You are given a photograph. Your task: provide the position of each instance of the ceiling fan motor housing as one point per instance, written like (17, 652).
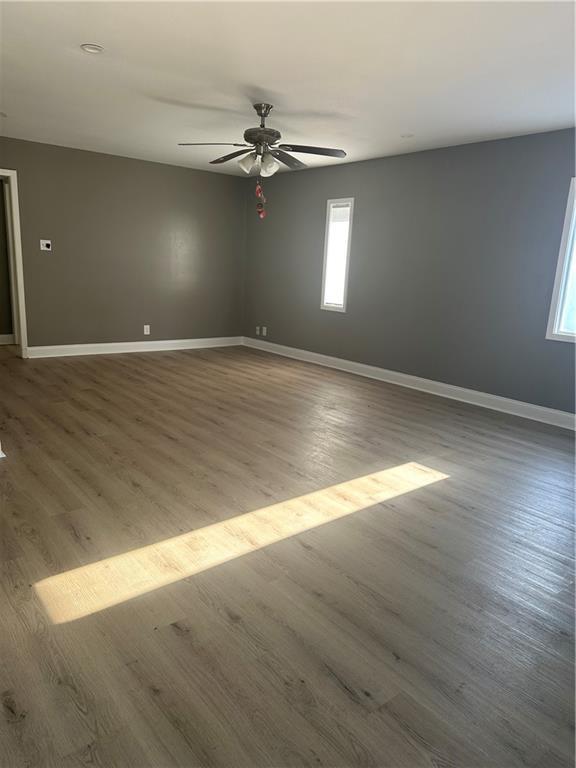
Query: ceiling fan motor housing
(262, 135)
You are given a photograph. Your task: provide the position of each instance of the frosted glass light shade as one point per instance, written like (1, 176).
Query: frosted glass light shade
(269, 165)
(250, 163)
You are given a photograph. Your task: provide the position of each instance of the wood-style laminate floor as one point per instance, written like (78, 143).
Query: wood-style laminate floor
(416, 613)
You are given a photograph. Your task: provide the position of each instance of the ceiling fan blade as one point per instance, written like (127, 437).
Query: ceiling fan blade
(292, 162)
(209, 144)
(313, 150)
(231, 156)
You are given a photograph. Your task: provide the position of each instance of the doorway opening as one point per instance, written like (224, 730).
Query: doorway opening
(12, 304)
(6, 320)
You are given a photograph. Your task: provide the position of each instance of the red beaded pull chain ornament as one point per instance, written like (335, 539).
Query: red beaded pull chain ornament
(261, 200)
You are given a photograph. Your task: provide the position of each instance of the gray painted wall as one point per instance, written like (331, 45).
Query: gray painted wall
(5, 304)
(452, 265)
(133, 242)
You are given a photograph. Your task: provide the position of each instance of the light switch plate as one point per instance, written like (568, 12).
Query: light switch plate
(45, 245)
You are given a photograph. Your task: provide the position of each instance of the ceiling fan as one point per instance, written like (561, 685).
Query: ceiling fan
(264, 154)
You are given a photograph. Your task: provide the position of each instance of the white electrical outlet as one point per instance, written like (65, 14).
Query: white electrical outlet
(264, 330)
(45, 245)
(146, 330)
(257, 330)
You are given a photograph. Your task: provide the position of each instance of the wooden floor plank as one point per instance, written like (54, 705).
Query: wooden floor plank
(432, 625)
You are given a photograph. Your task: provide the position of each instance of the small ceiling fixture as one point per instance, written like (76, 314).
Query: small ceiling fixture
(91, 48)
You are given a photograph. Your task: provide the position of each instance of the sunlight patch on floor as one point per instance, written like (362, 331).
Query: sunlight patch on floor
(94, 587)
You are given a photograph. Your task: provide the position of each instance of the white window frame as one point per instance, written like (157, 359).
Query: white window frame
(329, 204)
(568, 233)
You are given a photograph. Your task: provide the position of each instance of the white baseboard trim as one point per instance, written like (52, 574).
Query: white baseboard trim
(6, 338)
(68, 350)
(483, 399)
(557, 418)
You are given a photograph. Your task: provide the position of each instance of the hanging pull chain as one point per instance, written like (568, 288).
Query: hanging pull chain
(261, 200)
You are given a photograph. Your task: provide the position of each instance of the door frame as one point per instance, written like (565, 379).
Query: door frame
(15, 261)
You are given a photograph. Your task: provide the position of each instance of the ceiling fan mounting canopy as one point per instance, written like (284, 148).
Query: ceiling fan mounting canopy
(263, 110)
(263, 142)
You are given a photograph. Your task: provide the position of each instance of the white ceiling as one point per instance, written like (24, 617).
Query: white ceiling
(349, 75)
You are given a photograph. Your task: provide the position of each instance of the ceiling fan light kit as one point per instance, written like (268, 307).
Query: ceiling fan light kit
(269, 164)
(250, 164)
(262, 153)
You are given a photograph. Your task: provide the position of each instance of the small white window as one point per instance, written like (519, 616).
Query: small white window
(562, 320)
(337, 253)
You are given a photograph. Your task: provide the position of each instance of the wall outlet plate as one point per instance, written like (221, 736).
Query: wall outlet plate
(146, 330)
(257, 330)
(45, 245)
(264, 330)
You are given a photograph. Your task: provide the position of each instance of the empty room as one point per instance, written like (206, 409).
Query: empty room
(287, 384)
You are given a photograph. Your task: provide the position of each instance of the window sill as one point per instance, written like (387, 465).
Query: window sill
(569, 337)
